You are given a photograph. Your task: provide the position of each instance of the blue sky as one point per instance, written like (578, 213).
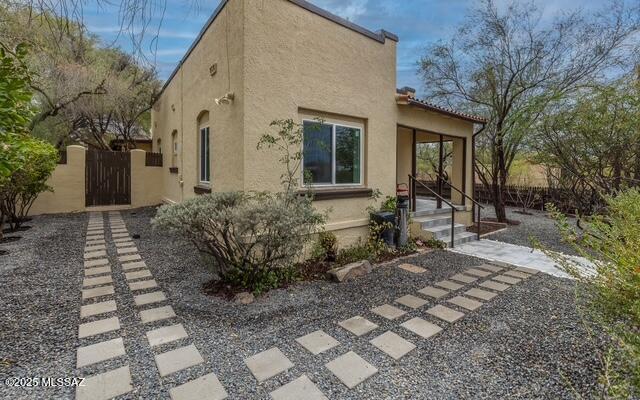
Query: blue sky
(416, 22)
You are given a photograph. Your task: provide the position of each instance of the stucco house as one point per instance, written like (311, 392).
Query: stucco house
(256, 61)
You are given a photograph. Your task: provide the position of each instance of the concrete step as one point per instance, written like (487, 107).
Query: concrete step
(443, 232)
(433, 220)
(460, 238)
(429, 212)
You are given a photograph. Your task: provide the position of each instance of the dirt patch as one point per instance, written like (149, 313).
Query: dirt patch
(20, 229)
(487, 227)
(509, 221)
(10, 239)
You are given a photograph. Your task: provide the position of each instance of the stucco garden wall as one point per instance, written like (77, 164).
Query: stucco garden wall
(68, 183)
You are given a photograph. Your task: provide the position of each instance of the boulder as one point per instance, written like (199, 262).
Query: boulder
(350, 271)
(244, 298)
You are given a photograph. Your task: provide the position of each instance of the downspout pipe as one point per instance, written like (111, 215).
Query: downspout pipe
(473, 166)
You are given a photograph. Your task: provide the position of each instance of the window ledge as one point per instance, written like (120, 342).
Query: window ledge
(173, 170)
(201, 189)
(339, 193)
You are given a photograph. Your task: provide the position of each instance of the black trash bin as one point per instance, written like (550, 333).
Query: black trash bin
(381, 217)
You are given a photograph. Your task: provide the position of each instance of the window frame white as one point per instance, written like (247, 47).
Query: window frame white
(208, 155)
(333, 155)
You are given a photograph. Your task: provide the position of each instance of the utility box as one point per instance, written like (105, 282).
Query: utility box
(381, 217)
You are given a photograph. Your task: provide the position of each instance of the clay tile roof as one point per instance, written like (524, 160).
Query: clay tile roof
(407, 99)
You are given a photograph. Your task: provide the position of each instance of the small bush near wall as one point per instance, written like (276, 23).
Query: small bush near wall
(611, 292)
(254, 238)
(20, 190)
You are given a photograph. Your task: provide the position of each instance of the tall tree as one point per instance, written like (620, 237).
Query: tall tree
(591, 142)
(85, 92)
(509, 65)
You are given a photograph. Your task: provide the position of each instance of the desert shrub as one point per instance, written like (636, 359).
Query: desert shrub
(370, 250)
(326, 248)
(390, 203)
(24, 185)
(434, 243)
(611, 290)
(254, 238)
(357, 252)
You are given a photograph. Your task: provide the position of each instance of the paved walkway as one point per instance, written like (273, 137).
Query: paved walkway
(98, 298)
(99, 315)
(522, 256)
(447, 301)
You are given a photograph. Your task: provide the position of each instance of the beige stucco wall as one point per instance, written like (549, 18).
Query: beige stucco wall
(299, 64)
(193, 91)
(146, 182)
(287, 62)
(67, 181)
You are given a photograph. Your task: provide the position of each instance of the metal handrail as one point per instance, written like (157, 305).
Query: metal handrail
(453, 208)
(461, 192)
(480, 206)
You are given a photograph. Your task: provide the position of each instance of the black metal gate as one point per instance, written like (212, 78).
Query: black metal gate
(107, 178)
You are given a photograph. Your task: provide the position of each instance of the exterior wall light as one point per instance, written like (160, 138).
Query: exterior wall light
(226, 99)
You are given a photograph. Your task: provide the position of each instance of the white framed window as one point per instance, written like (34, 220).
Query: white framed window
(205, 164)
(332, 154)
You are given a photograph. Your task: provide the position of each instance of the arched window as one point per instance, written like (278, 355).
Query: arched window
(204, 160)
(159, 144)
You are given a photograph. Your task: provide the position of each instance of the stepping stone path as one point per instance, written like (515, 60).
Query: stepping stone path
(463, 278)
(205, 387)
(109, 250)
(351, 369)
(268, 364)
(445, 313)
(421, 327)
(433, 292)
(301, 388)
(317, 342)
(393, 344)
(388, 311)
(411, 301)
(358, 325)
(449, 285)
(178, 359)
(99, 316)
(465, 302)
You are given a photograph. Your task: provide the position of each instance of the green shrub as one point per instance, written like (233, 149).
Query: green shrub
(390, 203)
(24, 185)
(326, 248)
(611, 242)
(253, 237)
(371, 250)
(357, 252)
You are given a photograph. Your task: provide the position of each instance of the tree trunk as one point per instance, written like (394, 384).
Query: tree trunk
(500, 176)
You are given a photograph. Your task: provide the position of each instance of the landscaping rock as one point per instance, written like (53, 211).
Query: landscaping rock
(351, 271)
(244, 298)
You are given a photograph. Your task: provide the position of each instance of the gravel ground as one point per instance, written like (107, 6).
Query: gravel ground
(537, 225)
(528, 342)
(40, 282)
